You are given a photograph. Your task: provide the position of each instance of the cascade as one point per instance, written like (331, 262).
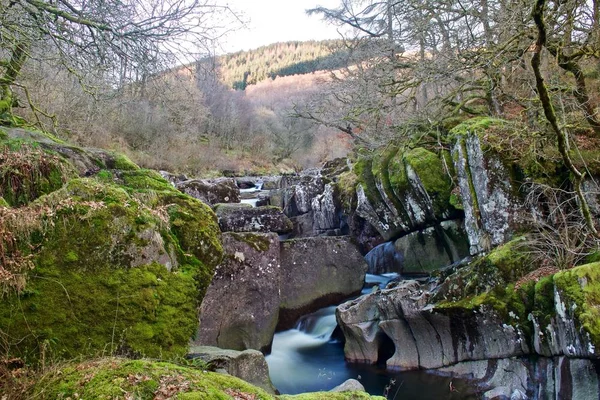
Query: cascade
(310, 358)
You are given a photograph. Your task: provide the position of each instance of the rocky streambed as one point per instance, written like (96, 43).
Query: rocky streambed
(150, 261)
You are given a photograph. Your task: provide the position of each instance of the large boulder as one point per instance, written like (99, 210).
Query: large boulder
(316, 272)
(248, 365)
(222, 190)
(423, 338)
(103, 266)
(477, 314)
(432, 248)
(241, 306)
(245, 218)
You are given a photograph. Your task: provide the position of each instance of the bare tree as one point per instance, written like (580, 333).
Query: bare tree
(119, 41)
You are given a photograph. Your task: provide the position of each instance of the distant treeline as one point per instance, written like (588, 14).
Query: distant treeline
(238, 70)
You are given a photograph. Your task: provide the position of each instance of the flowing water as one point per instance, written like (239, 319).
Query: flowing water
(309, 358)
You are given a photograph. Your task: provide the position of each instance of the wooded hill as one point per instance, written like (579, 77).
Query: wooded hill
(237, 70)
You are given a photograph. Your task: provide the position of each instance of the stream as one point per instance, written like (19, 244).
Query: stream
(310, 358)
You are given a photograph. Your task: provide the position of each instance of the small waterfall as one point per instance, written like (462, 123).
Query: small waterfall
(305, 358)
(249, 196)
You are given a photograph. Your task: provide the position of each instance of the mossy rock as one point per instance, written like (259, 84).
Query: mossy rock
(435, 179)
(119, 378)
(477, 126)
(502, 266)
(116, 378)
(346, 185)
(122, 162)
(143, 179)
(97, 286)
(580, 287)
(27, 172)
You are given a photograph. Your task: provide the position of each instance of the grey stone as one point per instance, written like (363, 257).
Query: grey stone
(351, 385)
(252, 219)
(241, 305)
(317, 272)
(222, 190)
(248, 365)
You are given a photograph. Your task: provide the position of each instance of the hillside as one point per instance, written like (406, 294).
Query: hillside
(238, 70)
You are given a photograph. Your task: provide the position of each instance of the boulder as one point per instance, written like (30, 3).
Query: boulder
(432, 248)
(492, 212)
(108, 270)
(326, 210)
(86, 161)
(351, 385)
(401, 191)
(222, 190)
(241, 305)
(248, 365)
(316, 272)
(384, 259)
(243, 218)
(423, 338)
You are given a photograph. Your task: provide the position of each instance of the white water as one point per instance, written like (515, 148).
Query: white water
(252, 201)
(301, 358)
(306, 358)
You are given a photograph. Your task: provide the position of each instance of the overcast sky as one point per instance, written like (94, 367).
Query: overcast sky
(278, 21)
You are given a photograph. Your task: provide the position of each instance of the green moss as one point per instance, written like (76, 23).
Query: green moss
(581, 286)
(3, 203)
(144, 179)
(122, 162)
(28, 172)
(475, 126)
(346, 186)
(85, 296)
(3, 134)
(256, 241)
(429, 168)
(114, 378)
(364, 171)
(502, 266)
(105, 176)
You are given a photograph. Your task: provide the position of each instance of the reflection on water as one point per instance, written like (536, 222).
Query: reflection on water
(308, 359)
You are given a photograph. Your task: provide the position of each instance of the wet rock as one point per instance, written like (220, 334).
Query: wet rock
(423, 338)
(384, 259)
(244, 218)
(241, 305)
(316, 272)
(522, 378)
(351, 385)
(248, 365)
(326, 210)
(222, 190)
(432, 248)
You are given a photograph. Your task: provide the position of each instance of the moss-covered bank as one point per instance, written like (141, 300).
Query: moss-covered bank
(117, 262)
(117, 378)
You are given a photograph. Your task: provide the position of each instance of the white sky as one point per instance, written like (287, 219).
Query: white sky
(272, 21)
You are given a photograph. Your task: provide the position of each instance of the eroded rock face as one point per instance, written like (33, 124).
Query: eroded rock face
(422, 338)
(241, 305)
(316, 272)
(248, 365)
(244, 218)
(557, 378)
(491, 210)
(222, 190)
